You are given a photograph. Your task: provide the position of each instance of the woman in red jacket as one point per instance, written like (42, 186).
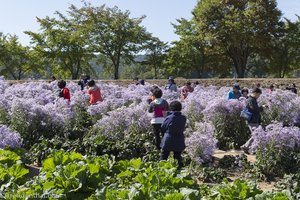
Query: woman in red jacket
(94, 92)
(64, 92)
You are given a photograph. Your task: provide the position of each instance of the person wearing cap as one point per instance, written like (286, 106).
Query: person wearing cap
(171, 85)
(234, 93)
(255, 120)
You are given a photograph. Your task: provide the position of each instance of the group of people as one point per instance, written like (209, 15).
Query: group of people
(236, 92)
(252, 110)
(93, 90)
(168, 123)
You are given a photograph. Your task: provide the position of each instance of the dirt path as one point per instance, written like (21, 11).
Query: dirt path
(219, 154)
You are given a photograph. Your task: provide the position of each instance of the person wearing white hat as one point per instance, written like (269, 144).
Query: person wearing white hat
(171, 85)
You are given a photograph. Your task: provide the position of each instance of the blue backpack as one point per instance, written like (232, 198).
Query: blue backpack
(246, 114)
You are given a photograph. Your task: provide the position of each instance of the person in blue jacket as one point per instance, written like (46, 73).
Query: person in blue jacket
(173, 128)
(234, 93)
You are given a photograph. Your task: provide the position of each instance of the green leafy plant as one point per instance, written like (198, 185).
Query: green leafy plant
(12, 171)
(237, 190)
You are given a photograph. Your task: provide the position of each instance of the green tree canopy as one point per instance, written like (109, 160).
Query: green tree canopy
(238, 27)
(64, 43)
(15, 59)
(155, 55)
(193, 53)
(113, 33)
(285, 53)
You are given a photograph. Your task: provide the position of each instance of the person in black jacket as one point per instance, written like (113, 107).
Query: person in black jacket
(253, 107)
(255, 120)
(84, 79)
(173, 128)
(292, 88)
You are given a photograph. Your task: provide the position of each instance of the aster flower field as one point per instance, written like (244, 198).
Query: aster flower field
(107, 151)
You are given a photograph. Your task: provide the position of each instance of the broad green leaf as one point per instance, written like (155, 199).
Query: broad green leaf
(126, 173)
(136, 163)
(49, 165)
(17, 171)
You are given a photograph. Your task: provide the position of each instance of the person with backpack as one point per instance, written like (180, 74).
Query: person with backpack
(255, 119)
(173, 128)
(159, 108)
(171, 85)
(94, 92)
(64, 91)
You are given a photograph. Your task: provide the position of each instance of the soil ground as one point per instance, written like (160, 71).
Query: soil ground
(219, 154)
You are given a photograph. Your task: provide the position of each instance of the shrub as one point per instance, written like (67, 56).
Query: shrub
(277, 149)
(231, 130)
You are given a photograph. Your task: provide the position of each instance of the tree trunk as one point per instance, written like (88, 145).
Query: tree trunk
(240, 63)
(239, 55)
(116, 73)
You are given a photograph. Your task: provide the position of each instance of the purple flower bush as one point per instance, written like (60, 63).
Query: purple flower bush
(122, 120)
(9, 138)
(35, 111)
(282, 106)
(277, 149)
(231, 130)
(281, 137)
(201, 144)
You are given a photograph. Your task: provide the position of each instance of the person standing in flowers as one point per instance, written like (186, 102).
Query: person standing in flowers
(83, 81)
(173, 128)
(94, 92)
(255, 120)
(245, 93)
(234, 93)
(64, 91)
(292, 88)
(171, 85)
(271, 89)
(186, 90)
(159, 108)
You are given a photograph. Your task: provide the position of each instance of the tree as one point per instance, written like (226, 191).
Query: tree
(285, 52)
(113, 33)
(155, 54)
(238, 27)
(192, 53)
(63, 43)
(15, 59)
(189, 54)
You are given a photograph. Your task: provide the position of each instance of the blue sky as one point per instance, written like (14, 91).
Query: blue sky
(20, 15)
